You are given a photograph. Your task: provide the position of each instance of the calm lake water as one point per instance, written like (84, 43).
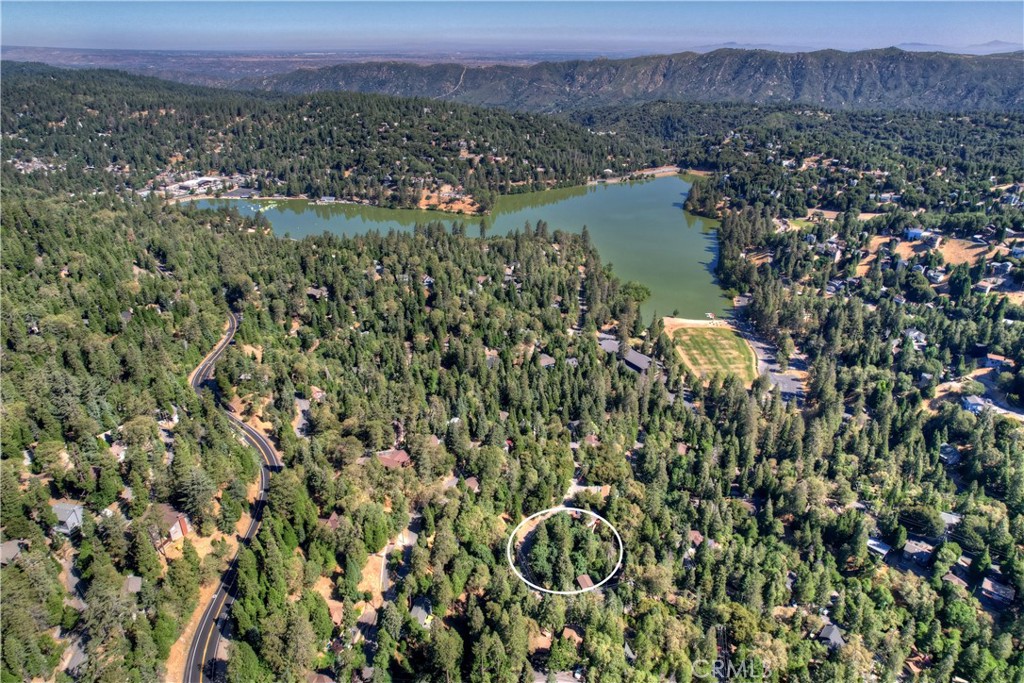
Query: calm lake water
(640, 228)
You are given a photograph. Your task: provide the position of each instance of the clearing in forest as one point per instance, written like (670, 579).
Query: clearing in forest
(706, 349)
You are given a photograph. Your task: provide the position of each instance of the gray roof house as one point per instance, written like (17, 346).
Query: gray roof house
(918, 551)
(637, 361)
(974, 404)
(949, 454)
(9, 551)
(832, 637)
(69, 517)
(878, 547)
(420, 611)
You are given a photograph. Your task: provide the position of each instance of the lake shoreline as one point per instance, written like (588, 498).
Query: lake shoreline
(641, 228)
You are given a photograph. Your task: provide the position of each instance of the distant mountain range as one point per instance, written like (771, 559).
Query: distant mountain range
(918, 76)
(871, 79)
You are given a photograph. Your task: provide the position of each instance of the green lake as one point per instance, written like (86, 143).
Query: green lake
(640, 228)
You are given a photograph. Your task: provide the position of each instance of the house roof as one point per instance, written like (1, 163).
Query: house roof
(393, 458)
(585, 581)
(950, 518)
(473, 484)
(420, 611)
(316, 292)
(879, 547)
(333, 521)
(914, 547)
(952, 578)
(9, 551)
(832, 635)
(546, 361)
(132, 583)
(998, 590)
(637, 360)
(68, 512)
(168, 515)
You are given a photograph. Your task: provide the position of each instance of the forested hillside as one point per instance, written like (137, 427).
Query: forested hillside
(426, 391)
(791, 159)
(871, 79)
(106, 129)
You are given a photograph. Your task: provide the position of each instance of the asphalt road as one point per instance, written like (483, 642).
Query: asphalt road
(202, 665)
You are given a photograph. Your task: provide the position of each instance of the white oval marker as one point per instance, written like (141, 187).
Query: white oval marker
(554, 510)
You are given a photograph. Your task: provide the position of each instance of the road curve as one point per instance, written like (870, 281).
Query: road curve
(209, 632)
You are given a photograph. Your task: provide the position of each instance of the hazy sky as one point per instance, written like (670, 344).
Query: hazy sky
(591, 26)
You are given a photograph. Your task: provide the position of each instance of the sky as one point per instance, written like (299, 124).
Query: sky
(610, 26)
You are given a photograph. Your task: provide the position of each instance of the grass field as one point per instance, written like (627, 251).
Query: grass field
(708, 349)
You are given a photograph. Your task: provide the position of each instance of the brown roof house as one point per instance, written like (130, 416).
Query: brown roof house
(175, 522)
(997, 592)
(394, 458)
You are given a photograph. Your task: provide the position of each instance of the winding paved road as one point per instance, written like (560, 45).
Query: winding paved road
(200, 666)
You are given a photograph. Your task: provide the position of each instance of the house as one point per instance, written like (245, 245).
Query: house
(900, 299)
(935, 275)
(421, 611)
(592, 440)
(9, 551)
(546, 361)
(636, 361)
(949, 455)
(916, 337)
(584, 581)
(132, 584)
(394, 458)
(1001, 268)
(950, 519)
(831, 636)
(176, 523)
(994, 360)
(974, 404)
(952, 578)
(628, 651)
(332, 522)
(473, 484)
(608, 342)
(918, 551)
(997, 592)
(985, 286)
(316, 292)
(313, 677)
(428, 281)
(913, 232)
(878, 547)
(69, 517)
